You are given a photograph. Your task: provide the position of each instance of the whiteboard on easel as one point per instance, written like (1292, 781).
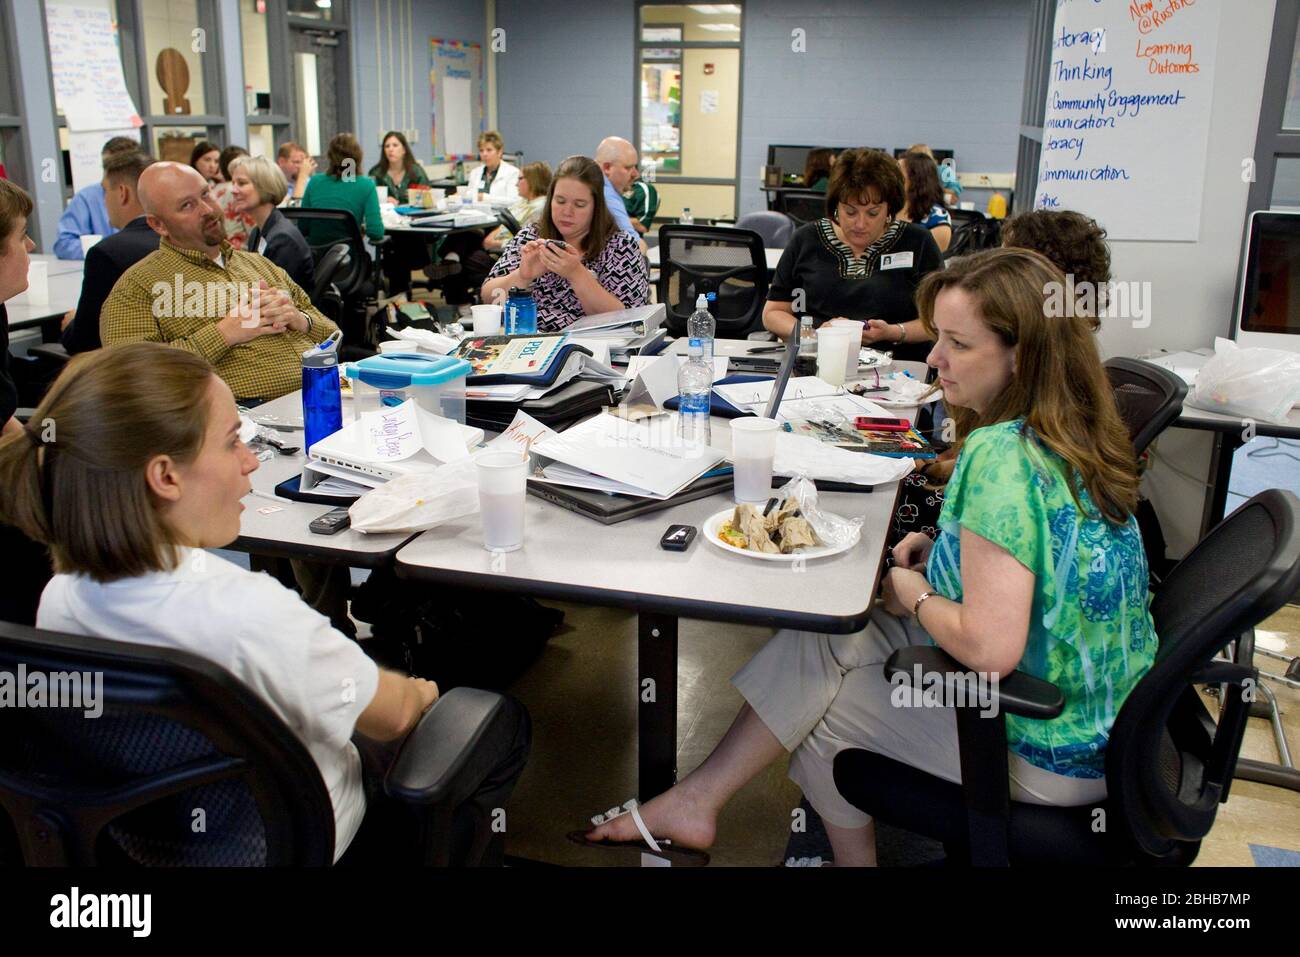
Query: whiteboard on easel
(1126, 130)
(456, 86)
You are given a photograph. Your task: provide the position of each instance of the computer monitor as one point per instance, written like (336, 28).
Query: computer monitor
(793, 159)
(939, 155)
(1268, 308)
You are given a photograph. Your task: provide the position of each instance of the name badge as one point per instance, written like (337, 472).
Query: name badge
(896, 261)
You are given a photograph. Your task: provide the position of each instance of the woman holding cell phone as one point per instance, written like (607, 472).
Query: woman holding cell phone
(577, 261)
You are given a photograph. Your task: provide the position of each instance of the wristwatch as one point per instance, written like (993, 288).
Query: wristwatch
(916, 608)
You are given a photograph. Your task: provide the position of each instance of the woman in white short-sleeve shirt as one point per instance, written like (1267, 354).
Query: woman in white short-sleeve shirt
(147, 469)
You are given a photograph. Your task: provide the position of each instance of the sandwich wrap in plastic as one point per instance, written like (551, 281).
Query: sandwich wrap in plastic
(831, 529)
(415, 503)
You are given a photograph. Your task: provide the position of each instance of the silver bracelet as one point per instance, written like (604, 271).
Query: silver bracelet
(916, 608)
(902, 332)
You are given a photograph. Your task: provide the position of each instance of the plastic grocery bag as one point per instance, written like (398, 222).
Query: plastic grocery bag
(1255, 383)
(414, 503)
(805, 455)
(831, 529)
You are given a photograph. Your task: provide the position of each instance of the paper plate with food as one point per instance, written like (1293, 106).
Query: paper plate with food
(777, 532)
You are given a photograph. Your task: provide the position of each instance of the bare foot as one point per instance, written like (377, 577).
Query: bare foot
(675, 815)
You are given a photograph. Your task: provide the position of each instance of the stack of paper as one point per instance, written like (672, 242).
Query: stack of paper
(646, 459)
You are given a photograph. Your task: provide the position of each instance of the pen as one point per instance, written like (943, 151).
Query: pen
(260, 494)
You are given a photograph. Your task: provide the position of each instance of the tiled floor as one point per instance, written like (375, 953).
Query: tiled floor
(581, 698)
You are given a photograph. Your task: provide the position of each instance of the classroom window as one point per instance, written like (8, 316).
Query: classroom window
(315, 9)
(174, 44)
(1291, 116)
(1273, 170)
(175, 143)
(253, 23)
(661, 110)
(687, 104)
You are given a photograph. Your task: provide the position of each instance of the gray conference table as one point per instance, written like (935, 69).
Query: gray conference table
(56, 266)
(572, 558)
(277, 527)
(65, 290)
(569, 557)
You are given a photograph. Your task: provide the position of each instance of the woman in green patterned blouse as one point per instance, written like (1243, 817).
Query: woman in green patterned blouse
(398, 170)
(1038, 567)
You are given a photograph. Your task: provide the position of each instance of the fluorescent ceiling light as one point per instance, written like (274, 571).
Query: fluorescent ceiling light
(714, 7)
(719, 27)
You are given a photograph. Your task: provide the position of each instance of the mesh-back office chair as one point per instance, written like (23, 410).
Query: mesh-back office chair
(1149, 397)
(188, 767)
(360, 284)
(775, 228)
(1168, 763)
(695, 260)
(801, 205)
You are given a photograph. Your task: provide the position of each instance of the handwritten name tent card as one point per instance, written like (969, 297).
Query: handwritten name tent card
(1128, 115)
(397, 433)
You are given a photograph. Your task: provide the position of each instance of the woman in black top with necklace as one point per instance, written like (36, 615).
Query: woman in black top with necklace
(860, 262)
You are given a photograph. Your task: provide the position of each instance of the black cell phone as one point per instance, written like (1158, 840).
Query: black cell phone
(678, 538)
(332, 522)
(557, 242)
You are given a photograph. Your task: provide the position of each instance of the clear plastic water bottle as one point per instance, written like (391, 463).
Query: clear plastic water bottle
(807, 337)
(700, 326)
(686, 219)
(694, 389)
(520, 312)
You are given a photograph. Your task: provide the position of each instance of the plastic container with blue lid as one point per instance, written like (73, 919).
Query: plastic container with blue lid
(436, 383)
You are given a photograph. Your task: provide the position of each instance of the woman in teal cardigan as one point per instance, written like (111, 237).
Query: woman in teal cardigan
(341, 186)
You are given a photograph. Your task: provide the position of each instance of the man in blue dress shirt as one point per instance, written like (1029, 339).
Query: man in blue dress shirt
(87, 213)
(618, 161)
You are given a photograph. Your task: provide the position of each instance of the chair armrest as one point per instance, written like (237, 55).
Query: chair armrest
(50, 350)
(440, 761)
(1016, 693)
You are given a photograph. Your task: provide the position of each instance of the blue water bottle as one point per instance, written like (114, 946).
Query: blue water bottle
(322, 400)
(521, 312)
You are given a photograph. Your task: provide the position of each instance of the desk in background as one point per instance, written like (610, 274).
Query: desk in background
(1228, 437)
(65, 290)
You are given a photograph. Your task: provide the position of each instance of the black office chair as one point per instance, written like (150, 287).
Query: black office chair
(775, 228)
(801, 205)
(330, 268)
(695, 260)
(1168, 763)
(362, 282)
(188, 767)
(508, 220)
(1149, 397)
(972, 232)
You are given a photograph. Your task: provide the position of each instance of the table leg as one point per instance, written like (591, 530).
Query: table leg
(656, 704)
(1225, 446)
